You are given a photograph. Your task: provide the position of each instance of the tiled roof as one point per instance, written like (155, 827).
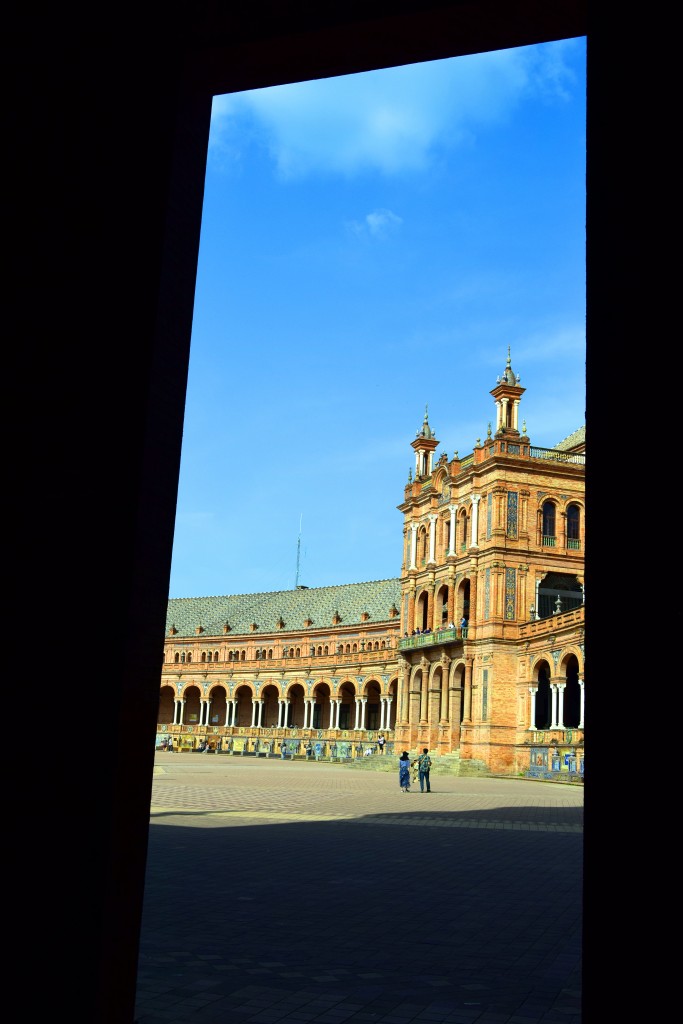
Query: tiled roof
(294, 607)
(575, 440)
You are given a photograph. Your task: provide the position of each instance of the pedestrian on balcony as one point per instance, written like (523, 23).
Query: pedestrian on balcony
(404, 772)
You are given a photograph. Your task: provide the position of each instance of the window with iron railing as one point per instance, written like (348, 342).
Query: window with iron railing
(548, 524)
(573, 527)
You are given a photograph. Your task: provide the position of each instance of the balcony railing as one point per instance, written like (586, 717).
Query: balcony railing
(552, 455)
(439, 636)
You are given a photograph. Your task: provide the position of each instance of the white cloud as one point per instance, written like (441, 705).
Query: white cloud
(393, 120)
(379, 224)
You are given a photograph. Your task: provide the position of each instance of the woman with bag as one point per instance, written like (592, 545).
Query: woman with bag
(404, 771)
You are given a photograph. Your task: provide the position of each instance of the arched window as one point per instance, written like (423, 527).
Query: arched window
(204, 655)
(327, 650)
(243, 656)
(182, 658)
(548, 524)
(573, 526)
(177, 658)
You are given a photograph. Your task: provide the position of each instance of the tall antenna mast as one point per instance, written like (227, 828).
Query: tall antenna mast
(298, 551)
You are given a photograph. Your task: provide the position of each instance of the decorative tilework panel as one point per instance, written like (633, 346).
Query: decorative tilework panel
(510, 593)
(513, 506)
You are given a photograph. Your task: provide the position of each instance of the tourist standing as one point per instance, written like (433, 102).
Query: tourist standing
(404, 772)
(424, 764)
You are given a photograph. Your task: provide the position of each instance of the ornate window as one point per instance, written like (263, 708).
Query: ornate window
(548, 524)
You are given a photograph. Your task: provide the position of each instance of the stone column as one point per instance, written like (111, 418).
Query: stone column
(430, 606)
(560, 704)
(468, 691)
(476, 498)
(424, 692)
(413, 545)
(403, 683)
(389, 702)
(453, 523)
(445, 705)
(451, 599)
(410, 626)
(533, 690)
(432, 539)
(553, 704)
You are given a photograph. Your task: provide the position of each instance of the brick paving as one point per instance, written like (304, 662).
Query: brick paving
(286, 891)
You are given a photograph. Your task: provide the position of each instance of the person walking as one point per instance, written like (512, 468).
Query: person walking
(424, 764)
(380, 743)
(283, 750)
(404, 771)
(309, 750)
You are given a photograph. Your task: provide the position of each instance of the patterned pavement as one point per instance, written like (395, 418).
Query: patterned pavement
(286, 891)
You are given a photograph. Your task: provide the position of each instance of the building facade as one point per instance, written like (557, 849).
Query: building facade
(475, 651)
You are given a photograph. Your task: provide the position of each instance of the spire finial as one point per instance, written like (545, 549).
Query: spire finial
(425, 430)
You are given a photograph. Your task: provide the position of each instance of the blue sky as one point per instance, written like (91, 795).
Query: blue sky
(371, 245)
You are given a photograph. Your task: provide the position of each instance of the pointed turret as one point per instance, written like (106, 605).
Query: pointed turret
(507, 394)
(424, 446)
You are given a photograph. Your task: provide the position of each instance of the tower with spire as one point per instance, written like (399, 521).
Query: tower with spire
(424, 446)
(507, 395)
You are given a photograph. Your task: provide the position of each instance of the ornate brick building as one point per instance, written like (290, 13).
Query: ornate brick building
(475, 651)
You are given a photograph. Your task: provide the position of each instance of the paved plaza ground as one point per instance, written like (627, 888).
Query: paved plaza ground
(293, 892)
